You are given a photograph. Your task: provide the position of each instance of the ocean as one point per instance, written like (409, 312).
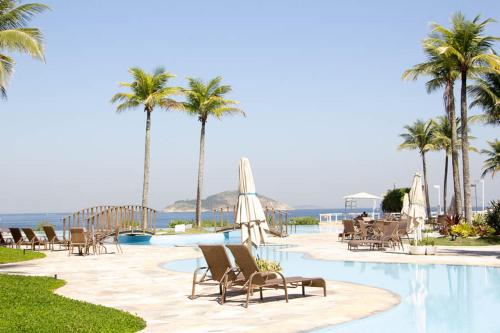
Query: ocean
(162, 221)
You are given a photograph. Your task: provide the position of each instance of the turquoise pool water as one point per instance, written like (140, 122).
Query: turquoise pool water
(434, 298)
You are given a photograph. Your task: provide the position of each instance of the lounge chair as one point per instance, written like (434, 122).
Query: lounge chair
(5, 241)
(79, 238)
(389, 237)
(18, 238)
(348, 229)
(219, 266)
(254, 278)
(52, 237)
(34, 240)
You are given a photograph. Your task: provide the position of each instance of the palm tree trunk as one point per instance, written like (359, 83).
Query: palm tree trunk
(426, 187)
(145, 184)
(465, 149)
(445, 183)
(454, 150)
(201, 167)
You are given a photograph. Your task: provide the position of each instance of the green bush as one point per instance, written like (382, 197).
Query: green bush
(268, 265)
(463, 230)
(173, 223)
(492, 217)
(393, 199)
(424, 242)
(39, 226)
(304, 220)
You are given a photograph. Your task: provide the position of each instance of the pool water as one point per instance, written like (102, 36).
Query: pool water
(434, 298)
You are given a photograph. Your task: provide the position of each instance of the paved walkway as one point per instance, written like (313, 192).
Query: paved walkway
(135, 282)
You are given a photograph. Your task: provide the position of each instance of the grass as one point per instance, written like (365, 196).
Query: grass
(490, 240)
(28, 304)
(14, 255)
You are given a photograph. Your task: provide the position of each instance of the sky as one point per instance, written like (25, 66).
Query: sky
(320, 82)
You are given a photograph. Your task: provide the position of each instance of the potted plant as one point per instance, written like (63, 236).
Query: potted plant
(430, 246)
(417, 247)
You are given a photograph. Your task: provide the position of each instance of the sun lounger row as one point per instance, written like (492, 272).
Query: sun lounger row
(246, 276)
(79, 239)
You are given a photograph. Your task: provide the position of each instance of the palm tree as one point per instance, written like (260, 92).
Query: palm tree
(442, 73)
(148, 91)
(442, 141)
(486, 95)
(205, 100)
(492, 164)
(420, 136)
(472, 53)
(16, 37)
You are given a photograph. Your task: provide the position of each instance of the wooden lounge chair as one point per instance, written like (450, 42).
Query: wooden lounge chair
(389, 237)
(34, 240)
(18, 238)
(348, 229)
(220, 269)
(254, 278)
(52, 238)
(5, 241)
(79, 238)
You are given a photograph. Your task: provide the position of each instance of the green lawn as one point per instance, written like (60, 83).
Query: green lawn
(13, 255)
(491, 240)
(28, 304)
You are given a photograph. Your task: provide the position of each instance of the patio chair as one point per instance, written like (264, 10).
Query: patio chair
(34, 240)
(52, 238)
(18, 238)
(254, 278)
(403, 231)
(348, 229)
(80, 239)
(222, 273)
(116, 240)
(389, 237)
(5, 241)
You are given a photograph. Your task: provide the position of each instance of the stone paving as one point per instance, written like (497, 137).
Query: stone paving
(135, 282)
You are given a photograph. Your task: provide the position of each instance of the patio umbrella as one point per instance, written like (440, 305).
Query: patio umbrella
(406, 205)
(249, 212)
(416, 212)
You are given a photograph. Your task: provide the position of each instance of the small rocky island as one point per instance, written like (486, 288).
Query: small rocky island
(222, 200)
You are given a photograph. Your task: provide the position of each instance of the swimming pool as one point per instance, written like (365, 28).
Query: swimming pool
(434, 298)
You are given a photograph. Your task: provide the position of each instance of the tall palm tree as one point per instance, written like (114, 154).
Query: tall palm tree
(442, 73)
(486, 94)
(472, 52)
(442, 141)
(492, 164)
(149, 91)
(205, 100)
(420, 136)
(16, 37)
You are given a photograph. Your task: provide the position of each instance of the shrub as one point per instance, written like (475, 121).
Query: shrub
(449, 222)
(268, 265)
(484, 230)
(39, 226)
(304, 220)
(173, 223)
(393, 199)
(424, 242)
(492, 217)
(463, 230)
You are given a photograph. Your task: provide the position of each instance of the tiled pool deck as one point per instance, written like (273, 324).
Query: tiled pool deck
(135, 282)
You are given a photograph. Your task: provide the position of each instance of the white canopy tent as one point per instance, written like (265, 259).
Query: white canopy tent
(364, 196)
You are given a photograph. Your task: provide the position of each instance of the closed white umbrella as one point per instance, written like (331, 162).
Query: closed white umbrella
(416, 211)
(406, 205)
(249, 213)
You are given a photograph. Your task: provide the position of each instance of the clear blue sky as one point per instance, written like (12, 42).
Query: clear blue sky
(319, 80)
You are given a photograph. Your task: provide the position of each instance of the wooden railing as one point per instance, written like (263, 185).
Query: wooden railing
(105, 219)
(277, 220)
